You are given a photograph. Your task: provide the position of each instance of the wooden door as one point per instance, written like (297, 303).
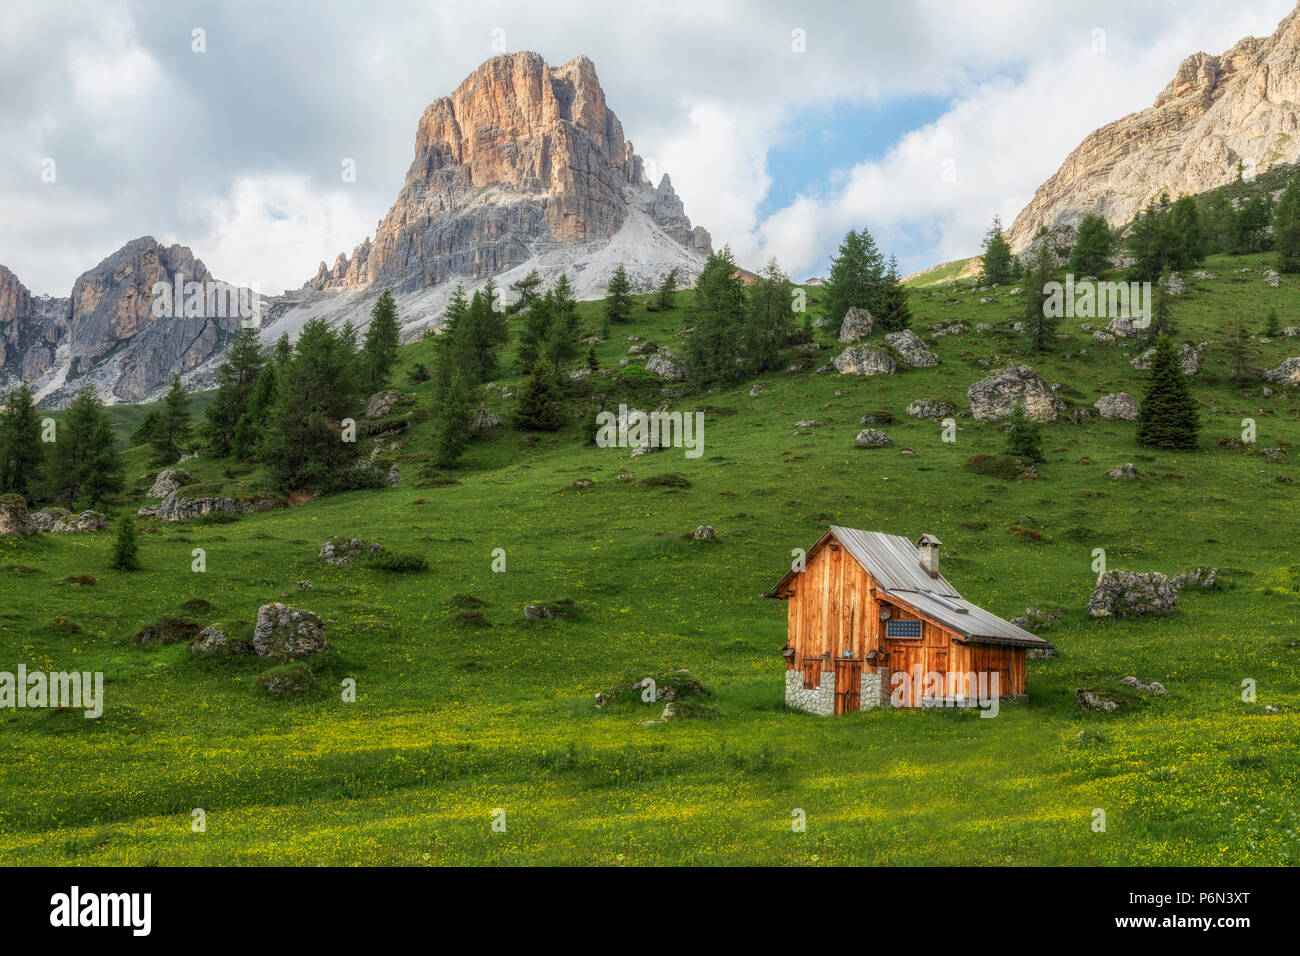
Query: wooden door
(848, 685)
(908, 657)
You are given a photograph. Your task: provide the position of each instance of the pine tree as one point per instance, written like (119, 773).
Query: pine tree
(894, 314)
(171, 435)
(235, 379)
(379, 350)
(451, 424)
(148, 427)
(496, 330)
(539, 407)
(1148, 244)
(997, 258)
(537, 329)
(856, 276)
(84, 465)
(593, 363)
(1218, 220)
(1024, 439)
(1040, 326)
(1092, 247)
(1270, 323)
(720, 314)
(1186, 240)
(1162, 317)
(1286, 227)
(21, 449)
(526, 288)
(126, 548)
(1167, 415)
(771, 318)
(664, 297)
(283, 350)
(618, 298)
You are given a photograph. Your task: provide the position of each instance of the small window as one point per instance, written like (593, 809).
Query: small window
(903, 629)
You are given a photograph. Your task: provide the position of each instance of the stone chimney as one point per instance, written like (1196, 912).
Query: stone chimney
(929, 547)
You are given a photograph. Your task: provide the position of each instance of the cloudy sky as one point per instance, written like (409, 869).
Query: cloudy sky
(781, 124)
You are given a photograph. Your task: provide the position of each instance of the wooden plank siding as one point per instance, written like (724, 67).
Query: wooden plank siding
(834, 612)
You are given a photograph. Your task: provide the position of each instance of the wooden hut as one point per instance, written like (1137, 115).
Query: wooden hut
(873, 622)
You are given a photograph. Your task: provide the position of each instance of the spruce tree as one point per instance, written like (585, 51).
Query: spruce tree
(1024, 439)
(126, 549)
(857, 273)
(1270, 323)
(283, 352)
(1186, 241)
(1251, 225)
(1286, 227)
(235, 379)
(1167, 415)
(1162, 317)
(21, 449)
(252, 424)
(894, 314)
(997, 258)
(1092, 247)
(171, 434)
(84, 465)
(1040, 326)
(536, 332)
(539, 407)
(451, 424)
(562, 342)
(618, 298)
(303, 444)
(379, 350)
(719, 319)
(771, 318)
(1239, 365)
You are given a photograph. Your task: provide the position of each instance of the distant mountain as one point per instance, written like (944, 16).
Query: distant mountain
(1242, 106)
(522, 167)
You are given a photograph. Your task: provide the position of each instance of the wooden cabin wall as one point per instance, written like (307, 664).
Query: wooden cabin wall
(831, 609)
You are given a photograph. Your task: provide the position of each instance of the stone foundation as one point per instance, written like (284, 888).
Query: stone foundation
(874, 692)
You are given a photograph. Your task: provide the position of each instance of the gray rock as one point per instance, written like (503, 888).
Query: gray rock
(1175, 285)
(1090, 700)
(483, 420)
(283, 632)
(168, 482)
(1124, 593)
(991, 398)
(1127, 471)
(1206, 578)
(857, 325)
(214, 641)
(1288, 373)
(665, 364)
(381, 403)
(911, 349)
(872, 438)
(860, 360)
(704, 532)
(294, 680)
(1189, 358)
(928, 408)
(341, 551)
(1154, 687)
(1119, 405)
(809, 423)
(14, 519)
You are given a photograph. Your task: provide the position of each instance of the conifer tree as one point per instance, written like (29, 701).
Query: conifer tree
(526, 288)
(1024, 439)
(1286, 227)
(1090, 255)
(894, 314)
(664, 297)
(235, 379)
(996, 262)
(771, 318)
(379, 350)
(857, 273)
(84, 465)
(719, 318)
(562, 342)
(1270, 323)
(618, 298)
(1167, 415)
(1040, 326)
(1251, 225)
(536, 333)
(539, 407)
(451, 424)
(171, 434)
(1239, 365)
(21, 449)
(251, 426)
(126, 548)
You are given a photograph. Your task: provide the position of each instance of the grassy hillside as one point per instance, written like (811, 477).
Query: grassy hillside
(455, 719)
(944, 272)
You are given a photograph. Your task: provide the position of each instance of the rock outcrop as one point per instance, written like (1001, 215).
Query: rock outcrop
(1124, 593)
(860, 360)
(521, 155)
(1217, 112)
(285, 632)
(992, 398)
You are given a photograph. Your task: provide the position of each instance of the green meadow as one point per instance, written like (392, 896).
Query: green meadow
(467, 713)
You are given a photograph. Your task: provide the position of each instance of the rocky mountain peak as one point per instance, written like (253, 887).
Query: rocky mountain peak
(1241, 106)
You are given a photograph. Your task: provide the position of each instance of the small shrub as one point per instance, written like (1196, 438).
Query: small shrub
(397, 563)
(669, 480)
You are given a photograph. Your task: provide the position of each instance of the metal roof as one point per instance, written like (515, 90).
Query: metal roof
(895, 563)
